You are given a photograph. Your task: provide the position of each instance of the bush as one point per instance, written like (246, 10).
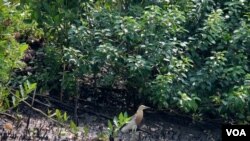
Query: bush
(12, 24)
(185, 54)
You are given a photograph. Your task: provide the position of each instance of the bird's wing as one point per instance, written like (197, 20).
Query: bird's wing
(130, 125)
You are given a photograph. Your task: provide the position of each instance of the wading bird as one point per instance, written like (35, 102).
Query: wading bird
(135, 120)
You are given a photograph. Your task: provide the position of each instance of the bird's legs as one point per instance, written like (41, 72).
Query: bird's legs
(134, 128)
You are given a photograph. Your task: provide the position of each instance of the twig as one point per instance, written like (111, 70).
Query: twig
(146, 131)
(32, 102)
(38, 110)
(40, 102)
(8, 115)
(76, 98)
(33, 98)
(79, 109)
(44, 114)
(63, 75)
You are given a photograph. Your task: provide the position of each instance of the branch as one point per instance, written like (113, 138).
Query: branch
(8, 115)
(38, 110)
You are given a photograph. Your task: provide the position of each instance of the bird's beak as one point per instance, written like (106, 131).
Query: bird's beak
(146, 107)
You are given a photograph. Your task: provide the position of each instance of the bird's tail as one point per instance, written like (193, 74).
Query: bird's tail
(124, 129)
(128, 126)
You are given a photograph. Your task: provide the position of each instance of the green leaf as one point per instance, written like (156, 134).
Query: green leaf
(58, 114)
(115, 121)
(49, 112)
(28, 84)
(14, 100)
(120, 117)
(110, 126)
(29, 87)
(73, 127)
(86, 130)
(17, 94)
(21, 91)
(23, 47)
(65, 117)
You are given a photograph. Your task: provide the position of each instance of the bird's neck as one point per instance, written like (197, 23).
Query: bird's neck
(139, 112)
(139, 116)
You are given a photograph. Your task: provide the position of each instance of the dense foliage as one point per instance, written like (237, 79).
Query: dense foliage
(188, 55)
(11, 52)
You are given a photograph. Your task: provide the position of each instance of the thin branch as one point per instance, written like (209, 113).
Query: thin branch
(32, 102)
(38, 110)
(41, 112)
(8, 115)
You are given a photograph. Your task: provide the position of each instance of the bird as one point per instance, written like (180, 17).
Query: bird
(135, 120)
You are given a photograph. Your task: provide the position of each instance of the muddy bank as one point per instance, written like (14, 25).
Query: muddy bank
(156, 126)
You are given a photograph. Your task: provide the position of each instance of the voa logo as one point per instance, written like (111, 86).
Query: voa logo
(236, 132)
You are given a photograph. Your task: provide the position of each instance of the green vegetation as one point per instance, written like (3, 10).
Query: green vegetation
(115, 126)
(191, 56)
(13, 23)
